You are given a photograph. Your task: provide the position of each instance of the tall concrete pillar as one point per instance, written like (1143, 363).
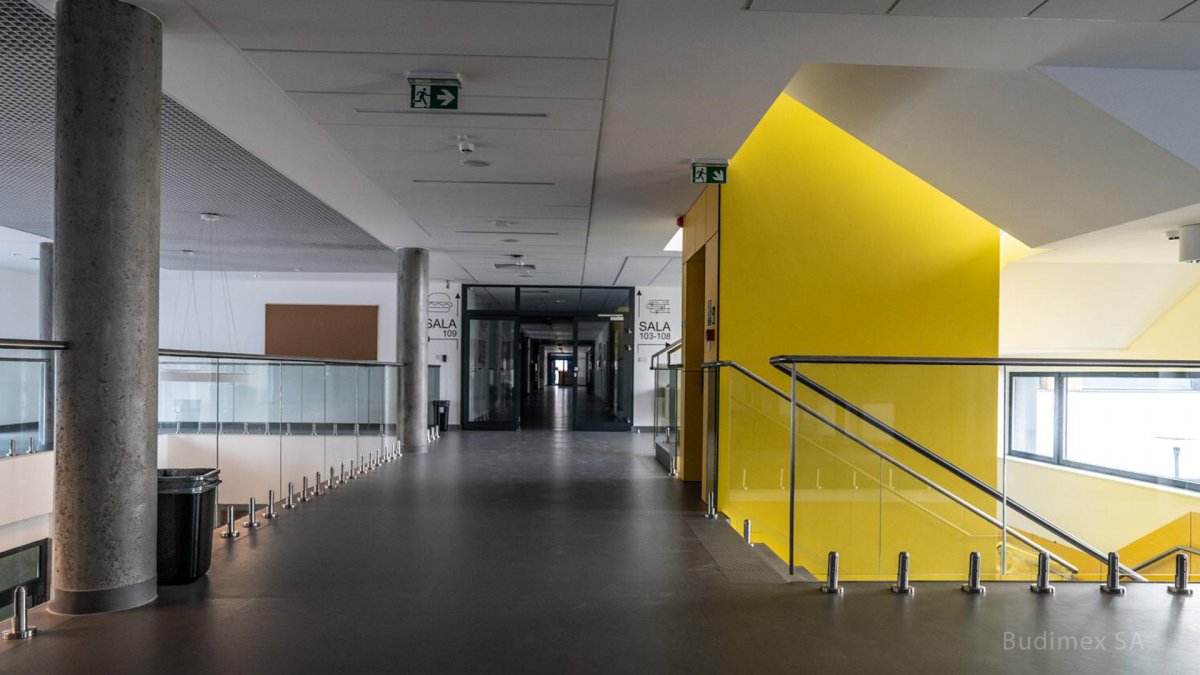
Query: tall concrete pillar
(106, 241)
(412, 347)
(46, 332)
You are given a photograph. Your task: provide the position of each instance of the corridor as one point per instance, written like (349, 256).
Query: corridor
(562, 553)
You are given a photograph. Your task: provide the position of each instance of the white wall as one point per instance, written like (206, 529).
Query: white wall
(658, 321)
(228, 313)
(18, 304)
(1085, 309)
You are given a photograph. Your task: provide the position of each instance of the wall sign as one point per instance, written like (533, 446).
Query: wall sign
(710, 173)
(434, 96)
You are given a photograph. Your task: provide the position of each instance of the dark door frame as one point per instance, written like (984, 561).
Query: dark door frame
(515, 314)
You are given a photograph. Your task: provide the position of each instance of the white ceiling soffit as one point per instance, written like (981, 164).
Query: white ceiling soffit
(1159, 104)
(534, 77)
(1053, 308)
(1082, 10)
(206, 74)
(267, 222)
(1017, 148)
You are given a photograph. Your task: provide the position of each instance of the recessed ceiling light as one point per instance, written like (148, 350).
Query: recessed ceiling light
(297, 269)
(257, 276)
(210, 217)
(475, 163)
(188, 251)
(15, 254)
(502, 223)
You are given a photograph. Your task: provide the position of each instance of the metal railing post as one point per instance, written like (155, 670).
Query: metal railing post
(230, 528)
(902, 585)
(270, 512)
(21, 630)
(304, 490)
(252, 521)
(791, 557)
(973, 585)
(831, 586)
(290, 502)
(1181, 576)
(1043, 575)
(746, 531)
(1112, 584)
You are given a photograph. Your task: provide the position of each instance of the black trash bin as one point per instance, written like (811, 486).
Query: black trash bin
(443, 415)
(187, 509)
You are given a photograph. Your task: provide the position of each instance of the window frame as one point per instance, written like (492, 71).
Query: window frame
(1059, 420)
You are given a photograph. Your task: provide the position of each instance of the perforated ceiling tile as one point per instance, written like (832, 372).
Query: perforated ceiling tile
(267, 222)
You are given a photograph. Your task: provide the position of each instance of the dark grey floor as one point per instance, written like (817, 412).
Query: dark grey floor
(570, 552)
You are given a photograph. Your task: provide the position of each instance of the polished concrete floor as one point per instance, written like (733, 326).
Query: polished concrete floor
(543, 552)
(556, 408)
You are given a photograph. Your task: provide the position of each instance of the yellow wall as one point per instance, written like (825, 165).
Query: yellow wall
(1137, 519)
(1173, 335)
(828, 247)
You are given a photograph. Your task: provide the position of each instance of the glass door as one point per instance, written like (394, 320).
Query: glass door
(603, 399)
(490, 378)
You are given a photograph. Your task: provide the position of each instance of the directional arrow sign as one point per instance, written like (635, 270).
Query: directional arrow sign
(434, 96)
(709, 173)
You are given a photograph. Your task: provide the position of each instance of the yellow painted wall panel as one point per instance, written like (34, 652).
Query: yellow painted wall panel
(828, 247)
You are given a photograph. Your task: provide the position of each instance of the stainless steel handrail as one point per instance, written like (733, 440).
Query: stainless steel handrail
(786, 365)
(669, 349)
(982, 361)
(270, 357)
(890, 460)
(673, 346)
(46, 345)
(1166, 554)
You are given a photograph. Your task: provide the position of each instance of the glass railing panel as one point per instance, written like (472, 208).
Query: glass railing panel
(303, 399)
(753, 466)
(1102, 454)
(26, 402)
(342, 394)
(248, 438)
(188, 412)
(937, 532)
(391, 402)
(837, 502)
(666, 413)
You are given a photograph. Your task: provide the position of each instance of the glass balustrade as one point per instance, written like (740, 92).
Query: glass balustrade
(26, 401)
(666, 367)
(1004, 458)
(267, 422)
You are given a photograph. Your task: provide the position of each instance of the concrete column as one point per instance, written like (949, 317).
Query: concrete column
(106, 241)
(46, 332)
(412, 347)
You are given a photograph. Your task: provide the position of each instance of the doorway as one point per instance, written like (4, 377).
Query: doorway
(548, 357)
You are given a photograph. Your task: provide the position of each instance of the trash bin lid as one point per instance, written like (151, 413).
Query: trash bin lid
(187, 481)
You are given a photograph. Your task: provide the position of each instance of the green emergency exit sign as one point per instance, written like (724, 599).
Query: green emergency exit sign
(710, 173)
(434, 96)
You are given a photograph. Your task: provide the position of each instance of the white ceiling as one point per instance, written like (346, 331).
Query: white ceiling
(1016, 147)
(1086, 10)
(630, 91)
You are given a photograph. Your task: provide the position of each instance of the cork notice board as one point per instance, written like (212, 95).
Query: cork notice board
(323, 331)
